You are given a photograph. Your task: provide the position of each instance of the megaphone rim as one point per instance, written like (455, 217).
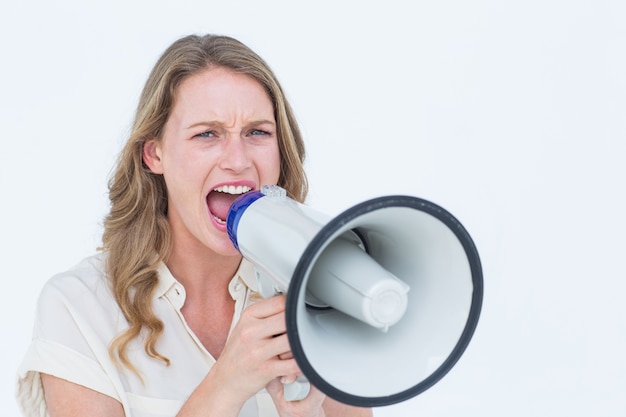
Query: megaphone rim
(319, 241)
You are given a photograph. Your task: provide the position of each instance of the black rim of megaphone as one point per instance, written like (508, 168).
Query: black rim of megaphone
(309, 255)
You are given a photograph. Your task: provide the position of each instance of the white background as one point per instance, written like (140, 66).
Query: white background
(510, 114)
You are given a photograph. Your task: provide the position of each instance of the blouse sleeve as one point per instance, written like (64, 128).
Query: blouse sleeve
(74, 323)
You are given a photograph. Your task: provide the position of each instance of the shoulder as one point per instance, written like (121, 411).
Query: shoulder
(89, 273)
(86, 277)
(81, 291)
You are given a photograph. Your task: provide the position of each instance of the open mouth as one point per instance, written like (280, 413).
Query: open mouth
(221, 198)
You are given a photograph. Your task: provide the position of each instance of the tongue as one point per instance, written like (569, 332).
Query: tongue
(219, 203)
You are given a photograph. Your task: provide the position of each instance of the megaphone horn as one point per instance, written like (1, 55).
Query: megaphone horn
(382, 300)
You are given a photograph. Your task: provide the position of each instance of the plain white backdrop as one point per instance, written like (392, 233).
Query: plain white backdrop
(510, 114)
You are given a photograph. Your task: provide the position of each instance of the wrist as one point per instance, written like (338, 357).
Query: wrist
(212, 399)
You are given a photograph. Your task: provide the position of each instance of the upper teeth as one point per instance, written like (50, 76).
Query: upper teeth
(231, 189)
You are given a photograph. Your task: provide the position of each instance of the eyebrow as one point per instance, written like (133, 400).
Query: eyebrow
(216, 123)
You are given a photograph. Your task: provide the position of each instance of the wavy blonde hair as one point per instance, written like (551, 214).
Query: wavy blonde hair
(136, 231)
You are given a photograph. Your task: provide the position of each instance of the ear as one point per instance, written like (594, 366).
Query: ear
(152, 156)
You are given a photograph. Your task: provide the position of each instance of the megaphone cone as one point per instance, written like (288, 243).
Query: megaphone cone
(382, 300)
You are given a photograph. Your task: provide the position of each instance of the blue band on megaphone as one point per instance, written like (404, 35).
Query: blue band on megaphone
(236, 211)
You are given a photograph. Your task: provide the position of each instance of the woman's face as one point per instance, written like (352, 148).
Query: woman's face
(219, 141)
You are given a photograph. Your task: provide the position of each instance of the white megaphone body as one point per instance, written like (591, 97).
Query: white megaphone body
(382, 300)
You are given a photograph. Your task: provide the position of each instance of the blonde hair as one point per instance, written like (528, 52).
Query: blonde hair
(136, 231)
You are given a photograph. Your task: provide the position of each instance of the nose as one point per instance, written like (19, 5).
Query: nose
(234, 155)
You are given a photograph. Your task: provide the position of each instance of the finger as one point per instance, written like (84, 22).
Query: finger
(274, 387)
(267, 307)
(263, 327)
(313, 401)
(269, 351)
(280, 347)
(289, 379)
(286, 368)
(268, 328)
(286, 355)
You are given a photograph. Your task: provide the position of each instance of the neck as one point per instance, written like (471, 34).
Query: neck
(201, 271)
(209, 307)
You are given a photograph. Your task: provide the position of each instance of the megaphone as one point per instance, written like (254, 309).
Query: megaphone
(382, 300)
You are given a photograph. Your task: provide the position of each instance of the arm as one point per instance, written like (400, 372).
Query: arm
(333, 408)
(248, 362)
(66, 399)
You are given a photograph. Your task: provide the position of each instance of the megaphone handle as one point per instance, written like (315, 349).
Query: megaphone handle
(297, 390)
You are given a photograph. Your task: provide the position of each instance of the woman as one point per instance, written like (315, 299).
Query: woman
(165, 320)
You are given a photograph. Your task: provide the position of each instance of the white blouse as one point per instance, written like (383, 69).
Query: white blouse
(76, 320)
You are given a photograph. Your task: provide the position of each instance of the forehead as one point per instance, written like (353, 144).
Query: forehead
(219, 86)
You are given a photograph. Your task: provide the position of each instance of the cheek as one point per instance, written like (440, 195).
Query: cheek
(184, 162)
(271, 172)
(183, 174)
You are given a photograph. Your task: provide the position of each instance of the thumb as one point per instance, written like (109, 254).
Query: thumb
(275, 388)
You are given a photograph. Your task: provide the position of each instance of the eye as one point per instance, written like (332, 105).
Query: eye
(259, 132)
(207, 134)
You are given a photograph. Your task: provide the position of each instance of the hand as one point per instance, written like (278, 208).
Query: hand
(251, 357)
(311, 406)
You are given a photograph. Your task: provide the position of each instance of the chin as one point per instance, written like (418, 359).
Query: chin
(224, 247)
